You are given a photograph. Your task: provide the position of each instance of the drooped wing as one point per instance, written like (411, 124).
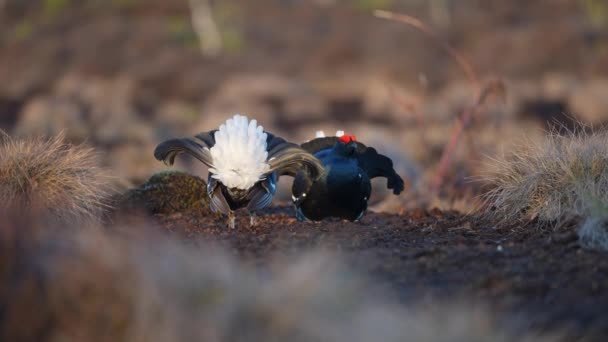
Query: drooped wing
(208, 138)
(287, 158)
(260, 199)
(217, 201)
(198, 147)
(261, 194)
(274, 144)
(378, 165)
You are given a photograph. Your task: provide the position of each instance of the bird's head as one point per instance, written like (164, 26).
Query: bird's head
(346, 145)
(347, 138)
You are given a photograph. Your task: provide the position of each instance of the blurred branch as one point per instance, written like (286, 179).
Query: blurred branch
(493, 87)
(205, 27)
(480, 97)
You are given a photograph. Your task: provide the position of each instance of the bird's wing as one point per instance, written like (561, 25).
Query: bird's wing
(217, 202)
(198, 147)
(207, 138)
(287, 158)
(274, 143)
(259, 199)
(261, 194)
(378, 165)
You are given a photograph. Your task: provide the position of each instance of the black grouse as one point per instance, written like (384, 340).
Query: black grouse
(244, 163)
(344, 187)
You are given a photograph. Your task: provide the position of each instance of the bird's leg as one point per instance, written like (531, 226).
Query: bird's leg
(358, 219)
(252, 219)
(231, 219)
(299, 215)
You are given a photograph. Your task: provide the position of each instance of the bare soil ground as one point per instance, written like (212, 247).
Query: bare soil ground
(528, 273)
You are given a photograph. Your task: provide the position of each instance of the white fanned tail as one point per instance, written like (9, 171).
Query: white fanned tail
(239, 154)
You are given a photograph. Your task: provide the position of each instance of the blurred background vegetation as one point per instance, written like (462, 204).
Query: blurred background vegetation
(126, 74)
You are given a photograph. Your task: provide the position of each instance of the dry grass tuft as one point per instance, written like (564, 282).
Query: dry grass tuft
(556, 181)
(593, 234)
(53, 175)
(593, 231)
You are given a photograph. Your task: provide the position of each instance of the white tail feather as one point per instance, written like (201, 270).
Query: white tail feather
(239, 154)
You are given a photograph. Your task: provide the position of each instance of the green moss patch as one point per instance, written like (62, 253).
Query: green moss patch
(168, 192)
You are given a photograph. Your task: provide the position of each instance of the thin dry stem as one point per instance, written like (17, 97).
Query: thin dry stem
(458, 129)
(205, 27)
(480, 93)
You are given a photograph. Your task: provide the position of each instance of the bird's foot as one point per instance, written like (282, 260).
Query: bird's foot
(359, 217)
(300, 216)
(252, 220)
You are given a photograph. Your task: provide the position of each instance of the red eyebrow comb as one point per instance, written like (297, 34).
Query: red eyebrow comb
(347, 138)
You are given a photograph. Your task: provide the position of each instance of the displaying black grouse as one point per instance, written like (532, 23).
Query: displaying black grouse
(244, 163)
(344, 187)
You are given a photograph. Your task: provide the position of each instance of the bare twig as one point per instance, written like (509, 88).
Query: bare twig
(480, 93)
(205, 27)
(460, 125)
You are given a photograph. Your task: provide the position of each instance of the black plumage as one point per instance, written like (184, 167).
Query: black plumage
(344, 187)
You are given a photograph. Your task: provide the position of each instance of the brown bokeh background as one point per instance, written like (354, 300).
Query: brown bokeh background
(123, 75)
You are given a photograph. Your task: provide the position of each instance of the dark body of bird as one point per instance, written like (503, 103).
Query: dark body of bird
(344, 188)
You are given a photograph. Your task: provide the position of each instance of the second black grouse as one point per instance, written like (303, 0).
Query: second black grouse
(344, 187)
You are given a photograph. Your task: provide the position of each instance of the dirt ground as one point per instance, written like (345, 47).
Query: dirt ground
(526, 273)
